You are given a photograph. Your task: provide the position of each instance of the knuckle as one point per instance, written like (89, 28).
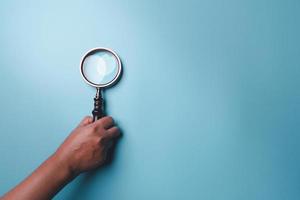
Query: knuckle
(102, 123)
(109, 119)
(93, 128)
(87, 117)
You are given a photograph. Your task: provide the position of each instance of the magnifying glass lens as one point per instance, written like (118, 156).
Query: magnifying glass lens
(100, 67)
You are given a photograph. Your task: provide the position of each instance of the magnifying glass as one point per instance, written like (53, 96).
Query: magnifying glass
(100, 67)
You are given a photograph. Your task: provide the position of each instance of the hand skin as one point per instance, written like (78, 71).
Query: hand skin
(84, 149)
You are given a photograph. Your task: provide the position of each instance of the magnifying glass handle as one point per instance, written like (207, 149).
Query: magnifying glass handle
(98, 106)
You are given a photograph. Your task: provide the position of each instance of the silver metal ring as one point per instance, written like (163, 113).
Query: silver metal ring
(95, 50)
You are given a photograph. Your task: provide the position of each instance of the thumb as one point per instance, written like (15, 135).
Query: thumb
(85, 121)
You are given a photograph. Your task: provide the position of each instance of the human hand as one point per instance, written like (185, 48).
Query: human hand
(87, 145)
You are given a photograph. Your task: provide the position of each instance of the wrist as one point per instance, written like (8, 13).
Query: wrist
(64, 169)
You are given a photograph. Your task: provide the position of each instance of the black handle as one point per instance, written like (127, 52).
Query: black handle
(98, 106)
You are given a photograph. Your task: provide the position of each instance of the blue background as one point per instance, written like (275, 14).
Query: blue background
(209, 101)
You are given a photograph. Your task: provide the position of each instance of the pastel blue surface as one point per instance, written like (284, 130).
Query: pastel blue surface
(209, 101)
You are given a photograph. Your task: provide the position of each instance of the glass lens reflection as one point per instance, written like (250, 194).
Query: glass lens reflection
(100, 67)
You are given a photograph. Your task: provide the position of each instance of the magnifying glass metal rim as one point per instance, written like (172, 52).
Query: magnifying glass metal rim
(95, 50)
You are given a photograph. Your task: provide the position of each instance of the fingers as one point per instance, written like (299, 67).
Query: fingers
(85, 121)
(109, 135)
(112, 133)
(105, 122)
(107, 127)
